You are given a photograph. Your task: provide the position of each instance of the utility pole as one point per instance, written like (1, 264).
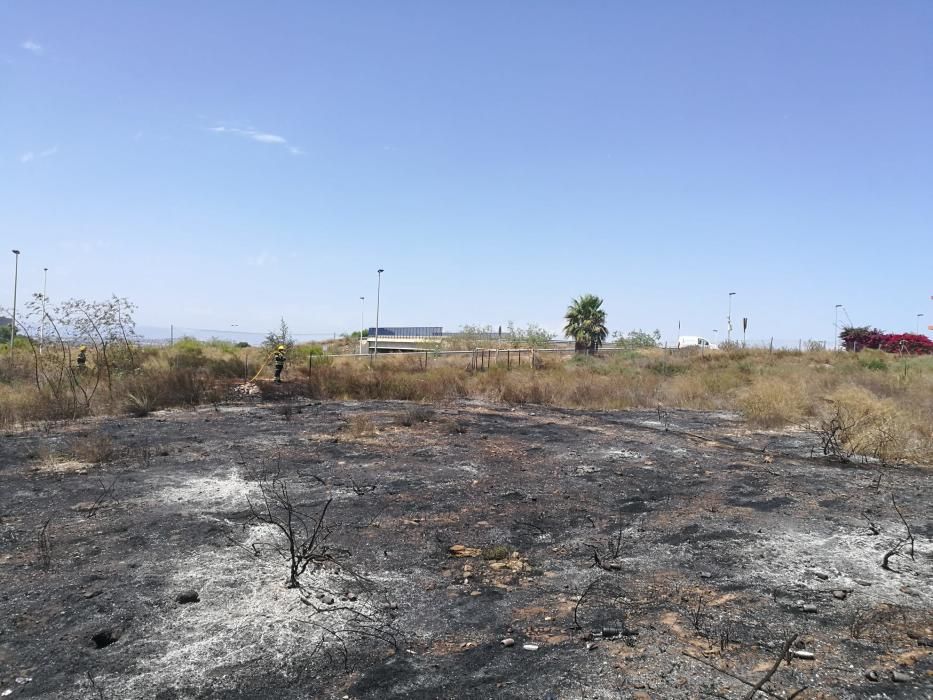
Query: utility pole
(13, 323)
(836, 327)
(362, 321)
(378, 294)
(729, 319)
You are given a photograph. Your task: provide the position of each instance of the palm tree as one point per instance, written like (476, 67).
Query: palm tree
(586, 323)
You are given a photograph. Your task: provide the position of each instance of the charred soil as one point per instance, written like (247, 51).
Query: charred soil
(624, 554)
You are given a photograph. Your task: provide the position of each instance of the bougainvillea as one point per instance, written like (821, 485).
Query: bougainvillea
(860, 338)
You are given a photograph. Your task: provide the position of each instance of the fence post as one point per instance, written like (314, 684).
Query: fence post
(533, 365)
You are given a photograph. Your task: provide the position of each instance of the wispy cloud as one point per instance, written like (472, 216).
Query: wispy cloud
(255, 135)
(33, 47)
(30, 156)
(263, 259)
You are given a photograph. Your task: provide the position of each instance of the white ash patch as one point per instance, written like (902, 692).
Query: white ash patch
(789, 558)
(211, 492)
(624, 454)
(246, 619)
(584, 469)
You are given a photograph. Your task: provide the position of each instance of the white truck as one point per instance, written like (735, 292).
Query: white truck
(695, 341)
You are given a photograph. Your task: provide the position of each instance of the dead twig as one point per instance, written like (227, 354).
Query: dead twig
(44, 546)
(730, 674)
(107, 492)
(583, 595)
(896, 549)
(771, 671)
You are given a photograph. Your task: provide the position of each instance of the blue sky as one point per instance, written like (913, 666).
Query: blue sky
(229, 163)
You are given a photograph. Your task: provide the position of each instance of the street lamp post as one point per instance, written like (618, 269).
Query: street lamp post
(378, 294)
(919, 316)
(836, 327)
(362, 321)
(15, 284)
(729, 319)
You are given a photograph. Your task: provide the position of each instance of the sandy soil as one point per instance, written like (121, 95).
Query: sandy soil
(643, 555)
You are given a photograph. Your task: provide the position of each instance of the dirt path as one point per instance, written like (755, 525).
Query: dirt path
(635, 551)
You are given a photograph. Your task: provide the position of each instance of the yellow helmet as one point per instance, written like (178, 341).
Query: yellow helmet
(83, 348)
(281, 347)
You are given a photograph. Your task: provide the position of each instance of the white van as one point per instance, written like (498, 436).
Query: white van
(695, 341)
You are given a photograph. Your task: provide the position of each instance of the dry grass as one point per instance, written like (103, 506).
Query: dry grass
(772, 403)
(771, 390)
(854, 421)
(96, 448)
(362, 426)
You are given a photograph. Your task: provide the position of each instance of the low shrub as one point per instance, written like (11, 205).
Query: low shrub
(854, 422)
(95, 448)
(772, 403)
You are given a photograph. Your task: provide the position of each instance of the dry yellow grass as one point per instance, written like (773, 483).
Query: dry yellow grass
(771, 390)
(772, 403)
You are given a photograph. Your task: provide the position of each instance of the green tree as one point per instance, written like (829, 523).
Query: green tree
(586, 323)
(282, 336)
(638, 339)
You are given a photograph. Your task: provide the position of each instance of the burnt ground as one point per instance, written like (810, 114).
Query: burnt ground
(645, 556)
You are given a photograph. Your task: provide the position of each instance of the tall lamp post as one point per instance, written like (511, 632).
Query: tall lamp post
(836, 327)
(919, 316)
(729, 319)
(378, 293)
(15, 284)
(362, 321)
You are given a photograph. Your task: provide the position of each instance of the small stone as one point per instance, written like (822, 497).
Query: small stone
(476, 593)
(872, 676)
(896, 676)
(508, 642)
(840, 595)
(862, 582)
(706, 574)
(640, 695)
(328, 600)
(590, 646)
(804, 654)
(810, 608)
(23, 680)
(189, 596)
(822, 575)
(530, 647)
(351, 596)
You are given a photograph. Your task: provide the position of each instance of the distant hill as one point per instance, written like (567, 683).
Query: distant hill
(4, 321)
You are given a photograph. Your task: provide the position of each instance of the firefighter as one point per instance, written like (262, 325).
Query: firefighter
(279, 361)
(82, 357)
